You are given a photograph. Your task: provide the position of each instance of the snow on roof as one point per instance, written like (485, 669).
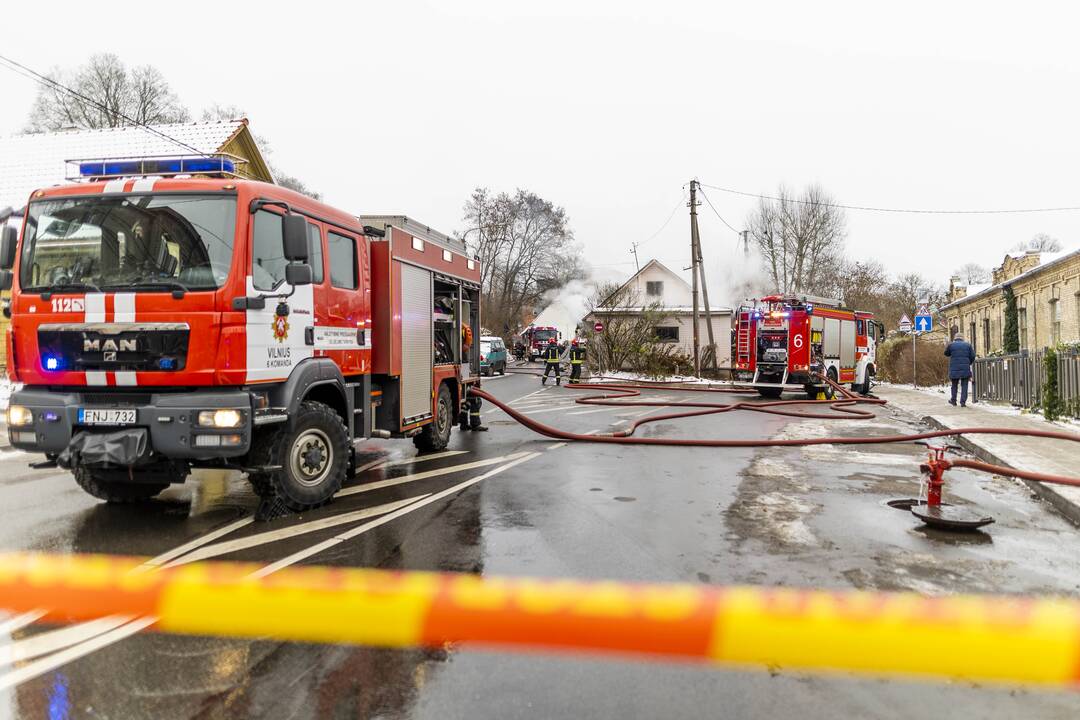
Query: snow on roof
(36, 160)
(1046, 260)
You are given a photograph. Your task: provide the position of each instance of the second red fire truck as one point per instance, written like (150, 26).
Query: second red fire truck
(167, 314)
(782, 343)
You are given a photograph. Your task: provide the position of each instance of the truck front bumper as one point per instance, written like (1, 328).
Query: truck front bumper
(171, 419)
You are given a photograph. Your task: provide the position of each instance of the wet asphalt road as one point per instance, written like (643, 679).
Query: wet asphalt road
(806, 517)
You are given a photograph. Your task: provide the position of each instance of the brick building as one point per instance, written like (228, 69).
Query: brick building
(1047, 290)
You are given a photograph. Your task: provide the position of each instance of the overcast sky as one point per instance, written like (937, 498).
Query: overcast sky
(609, 108)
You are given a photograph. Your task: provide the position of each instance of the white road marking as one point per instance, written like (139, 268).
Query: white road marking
(422, 458)
(360, 530)
(196, 543)
(287, 533)
(389, 482)
(47, 642)
(599, 410)
(51, 662)
(18, 622)
(556, 446)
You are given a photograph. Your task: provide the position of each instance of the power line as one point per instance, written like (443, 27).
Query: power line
(911, 211)
(716, 212)
(673, 211)
(46, 81)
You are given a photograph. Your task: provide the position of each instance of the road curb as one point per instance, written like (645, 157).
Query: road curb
(1049, 493)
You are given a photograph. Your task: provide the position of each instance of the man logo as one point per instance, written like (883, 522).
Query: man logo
(108, 356)
(96, 345)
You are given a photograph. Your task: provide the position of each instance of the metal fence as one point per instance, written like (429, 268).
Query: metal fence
(1018, 379)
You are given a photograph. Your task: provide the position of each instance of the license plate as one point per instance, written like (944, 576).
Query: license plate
(103, 416)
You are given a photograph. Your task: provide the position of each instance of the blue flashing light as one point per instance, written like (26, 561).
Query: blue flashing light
(167, 363)
(51, 416)
(157, 166)
(52, 363)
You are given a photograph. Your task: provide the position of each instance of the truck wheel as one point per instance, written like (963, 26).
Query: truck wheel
(772, 393)
(312, 458)
(830, 391)
(436, 434)
(101, 485)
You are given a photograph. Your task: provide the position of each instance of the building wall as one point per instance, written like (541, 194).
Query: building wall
(721, 322)
(1036, 296)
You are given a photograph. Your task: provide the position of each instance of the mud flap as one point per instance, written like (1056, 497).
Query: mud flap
(122, 448)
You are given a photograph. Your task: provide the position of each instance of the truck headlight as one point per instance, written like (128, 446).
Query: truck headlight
(17, 416)
(220, 418)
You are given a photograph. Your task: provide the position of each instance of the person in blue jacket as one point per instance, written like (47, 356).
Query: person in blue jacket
(961, 357)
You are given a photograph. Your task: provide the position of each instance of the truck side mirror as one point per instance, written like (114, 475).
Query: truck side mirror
(294, 238)
(6, 277)
(298, 274)
(9, 238)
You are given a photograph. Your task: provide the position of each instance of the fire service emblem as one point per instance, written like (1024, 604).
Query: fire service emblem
(280, 326)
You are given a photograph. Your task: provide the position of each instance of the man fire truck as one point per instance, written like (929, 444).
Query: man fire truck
(783, 343)
(537, 338)
(167, 314)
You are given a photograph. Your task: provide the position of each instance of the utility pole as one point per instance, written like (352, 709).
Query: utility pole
(633, 249)
(694, 274)
(699, 264)
(745, 242)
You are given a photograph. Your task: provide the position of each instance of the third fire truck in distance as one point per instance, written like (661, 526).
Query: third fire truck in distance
(782, 343)
(536, 339)
(167, 314)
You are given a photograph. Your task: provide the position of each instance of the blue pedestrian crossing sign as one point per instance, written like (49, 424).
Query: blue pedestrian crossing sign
(924, 323)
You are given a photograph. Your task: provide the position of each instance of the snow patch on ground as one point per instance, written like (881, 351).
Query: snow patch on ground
(6, 389)
(944, 391)
(770, 468)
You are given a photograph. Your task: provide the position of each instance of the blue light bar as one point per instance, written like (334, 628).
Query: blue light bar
(157, 166)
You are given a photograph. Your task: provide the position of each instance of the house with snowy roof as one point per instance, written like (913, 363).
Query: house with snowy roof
(657, 286)
(1046, 287)
(36, 160)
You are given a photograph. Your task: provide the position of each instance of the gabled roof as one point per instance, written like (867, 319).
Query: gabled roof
(975, 291)
(646, 266)
(37, 160)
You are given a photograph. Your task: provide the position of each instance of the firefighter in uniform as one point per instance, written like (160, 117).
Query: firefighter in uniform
(577, 359)
(551, 362)
(470, 414)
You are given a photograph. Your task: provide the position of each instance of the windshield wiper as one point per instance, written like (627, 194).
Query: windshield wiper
(176, 286)
(58, 287)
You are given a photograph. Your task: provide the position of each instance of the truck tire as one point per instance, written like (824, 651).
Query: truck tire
(312, 458)
(830, 391)
(102, 485)
(772, 393)
(436, 434)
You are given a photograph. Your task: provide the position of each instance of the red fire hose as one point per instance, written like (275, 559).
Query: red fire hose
(845, 408)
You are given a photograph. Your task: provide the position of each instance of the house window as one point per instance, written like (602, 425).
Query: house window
(1021, 327)
(986, 335)
(1055, 322)
(971, 334)
(654, 288)
(668, 333)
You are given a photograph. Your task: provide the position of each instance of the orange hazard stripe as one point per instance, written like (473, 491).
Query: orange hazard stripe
(1029, 640)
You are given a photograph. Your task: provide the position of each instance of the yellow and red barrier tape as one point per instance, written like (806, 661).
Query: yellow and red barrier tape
(1004, 639)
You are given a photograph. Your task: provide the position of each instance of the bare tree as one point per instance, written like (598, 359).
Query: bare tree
(798, 238)
(1040, 242)
(526, 249)
(108, 95)
(629, 338)
(972, 273)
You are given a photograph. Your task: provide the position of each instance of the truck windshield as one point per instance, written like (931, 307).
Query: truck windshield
(140, 242)
(544, 335)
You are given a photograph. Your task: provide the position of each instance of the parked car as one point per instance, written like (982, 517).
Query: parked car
(493, 355)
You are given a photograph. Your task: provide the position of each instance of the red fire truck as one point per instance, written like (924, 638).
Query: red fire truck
(167, 314)
(782, 341)
(536, 339)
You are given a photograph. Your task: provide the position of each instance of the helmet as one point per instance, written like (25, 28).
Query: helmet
(574, 342)
(552, 341)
